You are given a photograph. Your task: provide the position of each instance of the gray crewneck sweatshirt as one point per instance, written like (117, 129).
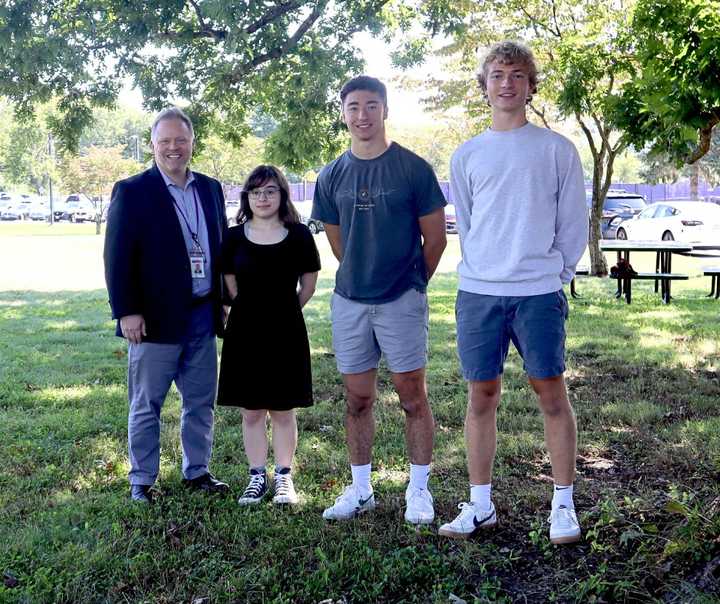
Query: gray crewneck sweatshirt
(519, 198)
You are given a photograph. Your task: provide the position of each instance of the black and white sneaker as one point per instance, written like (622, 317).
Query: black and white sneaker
(256, 489)
(469, 521)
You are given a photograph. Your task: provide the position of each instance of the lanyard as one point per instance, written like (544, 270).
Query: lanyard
(194, 235)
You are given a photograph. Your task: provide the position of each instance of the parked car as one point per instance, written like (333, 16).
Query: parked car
(687, 221)
(304, 208)
(76, 208)
(619, 206)
(39, 211)
(231, 209)
(12, 212)
(450, 219)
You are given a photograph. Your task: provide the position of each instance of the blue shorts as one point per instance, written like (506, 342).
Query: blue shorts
(487, 324)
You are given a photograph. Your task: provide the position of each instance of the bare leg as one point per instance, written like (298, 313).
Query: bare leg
(359, 420)
(481, 429)
(560, 428)
(284, 436)
(254, 427)
(419, 425)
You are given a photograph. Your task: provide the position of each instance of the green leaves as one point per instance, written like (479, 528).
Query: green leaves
(212, 54)
(678, 48)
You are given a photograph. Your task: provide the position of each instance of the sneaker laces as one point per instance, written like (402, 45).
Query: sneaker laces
(562, 518)
(466, 507)
(256, 486)
(283, 485)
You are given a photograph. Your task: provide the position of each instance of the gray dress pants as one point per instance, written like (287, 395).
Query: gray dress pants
(152, 368)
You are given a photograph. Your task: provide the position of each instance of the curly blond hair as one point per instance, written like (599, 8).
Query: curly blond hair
(509, 52)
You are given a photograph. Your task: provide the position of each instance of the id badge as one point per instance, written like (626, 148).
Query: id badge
(197, 264)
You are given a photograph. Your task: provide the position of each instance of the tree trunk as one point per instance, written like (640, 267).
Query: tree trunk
(598, 265)
(694, 179)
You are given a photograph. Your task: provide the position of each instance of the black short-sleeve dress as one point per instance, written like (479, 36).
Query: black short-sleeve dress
(265, 361)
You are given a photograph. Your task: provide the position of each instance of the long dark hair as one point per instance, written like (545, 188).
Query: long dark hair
(257, 178)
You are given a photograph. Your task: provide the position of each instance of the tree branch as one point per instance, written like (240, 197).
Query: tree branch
(602, 131)
(705, 137)
(589, 136)
(205, 30)
(273, 14)
(540, 114)
(239, 73)
(558, 31)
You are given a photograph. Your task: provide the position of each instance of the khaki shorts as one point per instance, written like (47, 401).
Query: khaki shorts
(397, 330)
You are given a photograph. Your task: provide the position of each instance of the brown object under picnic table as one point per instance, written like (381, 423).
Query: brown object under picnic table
(663, 275)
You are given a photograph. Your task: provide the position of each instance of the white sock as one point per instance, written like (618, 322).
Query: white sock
(361, 478)
(419, 476)
(480, 494)
(563, 496)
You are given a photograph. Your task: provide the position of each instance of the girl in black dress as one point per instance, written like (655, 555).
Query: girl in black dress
(265, 364)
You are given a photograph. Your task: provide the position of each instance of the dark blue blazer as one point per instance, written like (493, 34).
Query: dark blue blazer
(147, 269)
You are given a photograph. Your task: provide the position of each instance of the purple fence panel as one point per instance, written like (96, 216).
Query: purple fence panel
(232, 192)
(303, 191)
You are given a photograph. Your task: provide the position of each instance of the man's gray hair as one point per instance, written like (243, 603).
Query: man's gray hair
(171, 113)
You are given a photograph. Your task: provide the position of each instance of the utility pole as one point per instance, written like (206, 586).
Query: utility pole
(51, 157)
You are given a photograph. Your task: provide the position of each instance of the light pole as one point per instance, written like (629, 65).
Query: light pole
(51, 157)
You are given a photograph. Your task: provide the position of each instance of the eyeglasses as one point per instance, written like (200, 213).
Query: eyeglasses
(266, 193)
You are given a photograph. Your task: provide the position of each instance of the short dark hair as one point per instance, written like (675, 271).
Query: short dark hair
(257, 178)
(364, 82)
(171, 113)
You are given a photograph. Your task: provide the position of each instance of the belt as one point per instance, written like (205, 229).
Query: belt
(200, 300)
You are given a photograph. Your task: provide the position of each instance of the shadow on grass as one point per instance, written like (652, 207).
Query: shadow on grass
(643, 381)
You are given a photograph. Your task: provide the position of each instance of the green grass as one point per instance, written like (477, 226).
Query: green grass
(24, 228)
(643, 380)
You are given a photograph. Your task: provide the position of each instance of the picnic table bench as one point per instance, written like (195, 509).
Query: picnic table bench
(714, 274)
(708, 251)
(663, 275)
(580, 270)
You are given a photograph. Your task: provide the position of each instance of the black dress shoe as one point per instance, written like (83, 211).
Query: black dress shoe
(208, 483)
(141, 492)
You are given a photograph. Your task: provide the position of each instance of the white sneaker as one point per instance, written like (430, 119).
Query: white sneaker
(349, 505)
(419, 506)
(284, 490)
(564, 526)
(469, 521)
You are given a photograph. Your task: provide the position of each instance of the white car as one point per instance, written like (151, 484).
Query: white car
(450, 219)
(687, 221)
(304, 208)
(39, 211)
(12, 212)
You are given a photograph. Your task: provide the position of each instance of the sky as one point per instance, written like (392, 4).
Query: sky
(404, 105)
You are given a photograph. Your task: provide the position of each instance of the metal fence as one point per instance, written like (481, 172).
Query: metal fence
(302, 191)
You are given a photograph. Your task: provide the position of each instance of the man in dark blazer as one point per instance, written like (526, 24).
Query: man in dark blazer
(162, 268)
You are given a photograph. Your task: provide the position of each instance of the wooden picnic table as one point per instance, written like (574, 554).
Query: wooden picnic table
(663, 275)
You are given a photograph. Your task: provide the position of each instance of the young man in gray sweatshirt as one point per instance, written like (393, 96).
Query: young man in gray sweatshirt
(520, 204)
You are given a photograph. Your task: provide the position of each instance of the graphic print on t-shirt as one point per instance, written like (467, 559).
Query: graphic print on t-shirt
(364, 199)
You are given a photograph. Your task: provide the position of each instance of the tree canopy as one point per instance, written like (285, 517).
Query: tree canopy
(674, 104)
(581, 47)
(286, 58)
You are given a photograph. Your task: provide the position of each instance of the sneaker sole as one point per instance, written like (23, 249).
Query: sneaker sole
(355, 514)
(565, 539)
(457, 535)
(249, 501)
(420, 520)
